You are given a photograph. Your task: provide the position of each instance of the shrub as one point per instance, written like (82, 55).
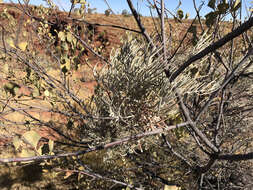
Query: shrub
(152, 118)
(125, 13)
(107, 12)
(91, 10)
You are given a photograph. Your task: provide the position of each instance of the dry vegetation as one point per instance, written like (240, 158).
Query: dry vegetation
(106, 98)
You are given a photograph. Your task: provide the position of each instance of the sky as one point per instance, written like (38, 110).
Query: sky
(141, 5)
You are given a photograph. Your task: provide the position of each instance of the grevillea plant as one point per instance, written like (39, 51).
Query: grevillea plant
(171, 110)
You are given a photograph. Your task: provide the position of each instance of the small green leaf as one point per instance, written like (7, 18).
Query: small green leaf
(82, 1)
(16, 142)
(61, 36)
(69, 37)
(22, 45)
(210, 18)
(51, 145)
(187, 15)
(16, 89)
(211, 4)
(9, 86)
(46, 93)
(10, 42)
(32, 137)
(180, 14)
(12, 88)
(223, 7)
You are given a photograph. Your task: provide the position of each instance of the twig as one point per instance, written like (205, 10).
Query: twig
(238, 31)
(96, 148)
(163, 30)
(138, 20)
(98, 176)
(71, 8)
(107, 25)
(197, 12)
(226, 81)
(167, 71)
(89, 48)
(220, 114)
(200, 145)
(194, 127)
(234, 157)
(153, 19)
(181, 157)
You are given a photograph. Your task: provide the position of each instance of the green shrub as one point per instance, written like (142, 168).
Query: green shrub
(107, 12)
(125, 13)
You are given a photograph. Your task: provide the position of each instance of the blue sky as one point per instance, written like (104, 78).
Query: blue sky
(140, 5)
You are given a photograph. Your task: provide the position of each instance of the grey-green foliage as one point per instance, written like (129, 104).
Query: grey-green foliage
(131, 89)
(135, 93)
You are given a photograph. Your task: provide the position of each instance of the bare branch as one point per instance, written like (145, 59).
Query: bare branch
(226, 81)
(238, 31)
(100, 147)
(194, 127)
(167, 71)
(234, 157)
(181, 157)
(106, 25)
(138, 20)
(71, 8)
(98, 176)
(163, 29)
(89, 48)
(197, 12)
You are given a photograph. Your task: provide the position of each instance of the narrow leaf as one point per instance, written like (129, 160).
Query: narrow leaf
(16, 142)
(11, 42)
(51, 145)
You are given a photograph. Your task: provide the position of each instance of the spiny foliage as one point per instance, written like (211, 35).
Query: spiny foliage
(134, 93)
